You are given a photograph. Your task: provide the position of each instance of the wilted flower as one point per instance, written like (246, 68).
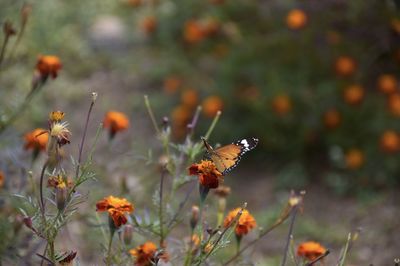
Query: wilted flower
(60, 132)
(194, 218)
(147, 255)
(211, 105)
(116, 208)
(310, 250)
(115, 122)
(8, 29)
(208, 174)
(245, 224)
(48, 65)
(296, 19)
(36, 140)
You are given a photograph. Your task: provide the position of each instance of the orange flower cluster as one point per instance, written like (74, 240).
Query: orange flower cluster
(115, 122)
(296, 19)
(36, 140)
(310, 250)
(146, 254)
(196, 31)
(245, 223)
(116, 208)
(208, 174)
(48, 65)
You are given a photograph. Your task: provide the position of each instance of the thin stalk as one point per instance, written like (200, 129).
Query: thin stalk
(150, 111)
(160, 211)
(213, 124)
(109, 248)
(344, 254)
(188, 259)
(42, 207)
(181, 205)
(293, 217)
(318, 259)
(3, 48)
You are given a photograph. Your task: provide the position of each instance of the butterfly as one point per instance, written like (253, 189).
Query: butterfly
(227, 157)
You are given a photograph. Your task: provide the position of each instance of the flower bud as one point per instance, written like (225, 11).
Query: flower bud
(27, 221)
(127, 234)
(195, 216)
(61, 197)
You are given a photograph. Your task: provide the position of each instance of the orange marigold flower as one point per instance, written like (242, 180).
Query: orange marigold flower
(116, 122)
(387, 83)
(145, 254)
(190, 98)
(296, 19)
(116, 207)
(194, 31)
(281, 104)
(390, 141)
(353, 94)
(36, 139)
(48, 65)
(345, 66)
(354, 159)
(245, 223)
(394, 104)
(56, 116)
(172, 84)
(310, 250)
(332, 118)
(2, 178)
(211, 105)
(149, 24)
(208, 174)
(59, 182)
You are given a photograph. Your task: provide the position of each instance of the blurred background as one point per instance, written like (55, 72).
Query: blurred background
(316, 81)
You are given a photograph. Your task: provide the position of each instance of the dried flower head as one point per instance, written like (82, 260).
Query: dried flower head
(310, 250)
(222, 191)
(8, 29)
(67, 257)
(59, 181)
(208, 174)
(116, 208)
(36, 139)
(144, 254)
(60, 132)
(48, 65)
(115, 122)
(245, 223)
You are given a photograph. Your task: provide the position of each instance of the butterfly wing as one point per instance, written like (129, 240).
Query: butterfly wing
(227, 157)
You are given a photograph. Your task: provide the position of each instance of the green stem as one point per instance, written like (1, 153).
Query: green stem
(160, 211)
(3, 48)
(188, 259)
(108, 259)
(150, 111)
(213, 124)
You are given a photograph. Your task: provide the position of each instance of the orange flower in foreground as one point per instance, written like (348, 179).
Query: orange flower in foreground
(172, 84)
(394, 104)
(296, 19)
(146, 254)
(332, 119)
(245, 223)
(190, 97)
(281, 104)
(211, 105)
(48, 65)
(310, 250)
(207, 172)
(149, 24)
(116, 208)
(387, 83)
(115, 121)
(36, 140)
(345, 66)
(390, 141)
(353, 94)
(2, 177)
(354, 159)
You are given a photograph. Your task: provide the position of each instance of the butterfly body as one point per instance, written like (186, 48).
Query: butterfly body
(227, 157)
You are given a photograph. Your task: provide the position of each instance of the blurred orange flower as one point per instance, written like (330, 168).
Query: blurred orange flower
(332, 119)
(353, 94)
(394, 104)
(207, 172)
(310, 250)
(211, 105)
(354, 159)
(345, 66)
(134, 3)
(144, 254)
(395, 25)
(296, 19)
(390, 141)
(116, 208)
(36, 140)
(116, 122)
(387, 83)
(245, 223)
(149, 24)
(2, 178)
(172, 84)
(281, 104)
(48, 65)
(181, 115)
(193, 31)
(190, 97)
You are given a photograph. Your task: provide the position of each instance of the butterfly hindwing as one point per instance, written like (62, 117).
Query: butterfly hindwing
(227, 157)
